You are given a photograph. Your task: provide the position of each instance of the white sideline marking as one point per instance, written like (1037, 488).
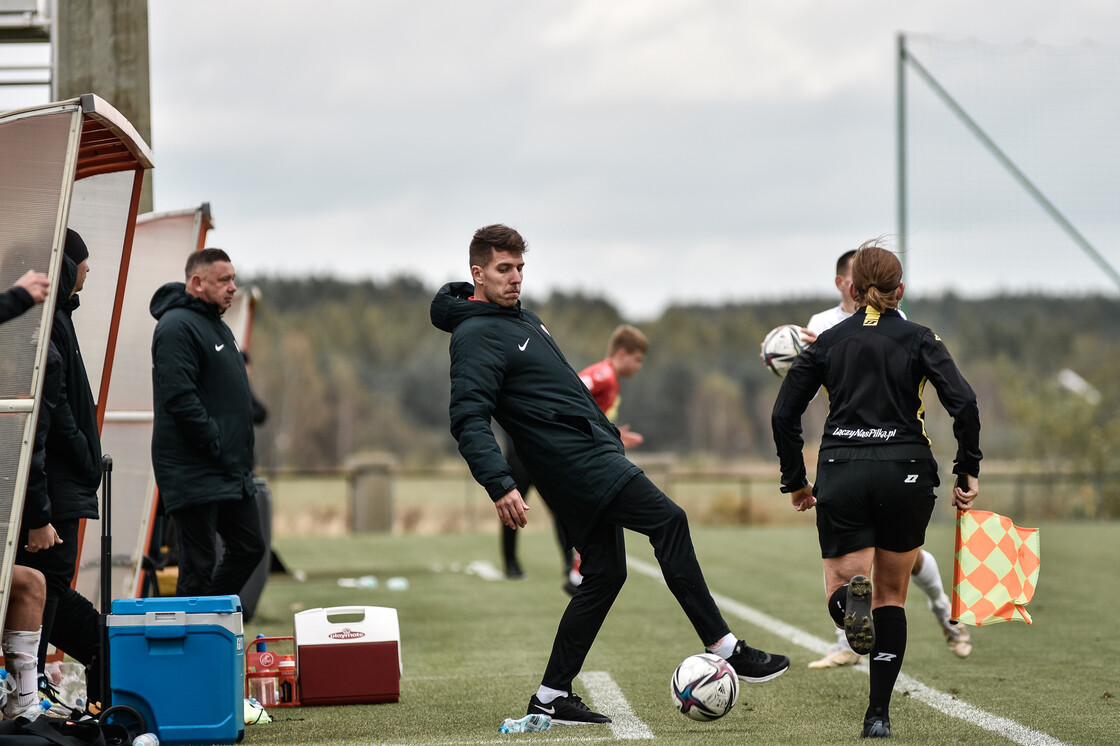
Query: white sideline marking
(610, 700)
(938, 700)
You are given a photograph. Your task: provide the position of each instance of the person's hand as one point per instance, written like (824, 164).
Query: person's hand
(36, 284)
(42, 538)
(803, 499)
(963, 498)
(807, 336)
(629, 439)
(511, 509)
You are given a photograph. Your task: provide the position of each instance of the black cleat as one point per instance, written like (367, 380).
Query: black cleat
(858, 625)
(754, 666)
(876, 724)
(568, 710)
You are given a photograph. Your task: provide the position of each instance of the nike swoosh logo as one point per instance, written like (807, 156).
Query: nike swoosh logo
(547, 710)
(218, 348)
(522, 347)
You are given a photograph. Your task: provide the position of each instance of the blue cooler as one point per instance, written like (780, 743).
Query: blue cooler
(181, 663)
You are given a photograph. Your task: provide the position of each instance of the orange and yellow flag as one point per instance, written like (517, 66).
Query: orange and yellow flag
(996, 569)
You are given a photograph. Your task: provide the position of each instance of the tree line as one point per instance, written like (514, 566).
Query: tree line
(350, 367)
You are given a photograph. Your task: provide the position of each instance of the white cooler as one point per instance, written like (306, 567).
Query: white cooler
(348, 655)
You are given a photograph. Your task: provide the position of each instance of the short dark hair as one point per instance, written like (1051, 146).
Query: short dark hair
(844, 261)
(493, 238)
(204, 258)
(627, 339)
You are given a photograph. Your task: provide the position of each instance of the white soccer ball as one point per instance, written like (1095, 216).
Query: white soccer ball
(704, 687)
(780, 347)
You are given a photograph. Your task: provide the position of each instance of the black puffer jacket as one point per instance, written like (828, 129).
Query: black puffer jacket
(505, 366)
(202, 438)
(73, 446)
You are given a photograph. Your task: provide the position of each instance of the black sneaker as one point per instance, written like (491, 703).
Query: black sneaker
(876, 724)
(754, 666)
(858, 625)
(568, 710)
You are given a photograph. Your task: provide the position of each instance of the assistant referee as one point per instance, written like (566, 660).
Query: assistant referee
(876, 473)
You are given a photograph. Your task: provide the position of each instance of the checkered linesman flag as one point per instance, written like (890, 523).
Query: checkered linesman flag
(996, 569)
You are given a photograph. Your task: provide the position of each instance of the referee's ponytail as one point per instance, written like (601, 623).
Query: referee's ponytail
(876, 275)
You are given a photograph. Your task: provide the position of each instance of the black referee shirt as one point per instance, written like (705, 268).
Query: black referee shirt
(874, 367)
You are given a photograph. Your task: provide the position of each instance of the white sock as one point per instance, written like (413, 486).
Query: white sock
(725, 647)
(546, 694)
(842, 640)
(929, 579)
(21, 656)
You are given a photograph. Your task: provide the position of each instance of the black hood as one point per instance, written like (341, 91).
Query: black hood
(175, 295)
(67, 276)
(452, 306)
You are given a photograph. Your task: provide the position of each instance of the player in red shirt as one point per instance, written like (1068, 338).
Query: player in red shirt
(626, 351)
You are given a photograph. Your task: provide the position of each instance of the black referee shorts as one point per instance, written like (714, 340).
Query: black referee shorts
(865, 503)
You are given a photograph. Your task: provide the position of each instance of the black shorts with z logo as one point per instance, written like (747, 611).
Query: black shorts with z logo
(870, 503)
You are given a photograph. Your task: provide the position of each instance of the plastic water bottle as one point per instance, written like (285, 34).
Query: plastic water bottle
(529, 724)
(7, 686)
(397, 584)
(36, 710)
(146, 739)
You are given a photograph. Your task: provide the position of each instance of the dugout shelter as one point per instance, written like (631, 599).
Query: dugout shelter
(79, 164)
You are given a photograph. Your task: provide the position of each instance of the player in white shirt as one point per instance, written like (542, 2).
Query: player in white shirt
(925, 574)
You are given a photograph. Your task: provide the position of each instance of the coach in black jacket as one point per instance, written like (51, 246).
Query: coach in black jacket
(505, 366)
(202, 439)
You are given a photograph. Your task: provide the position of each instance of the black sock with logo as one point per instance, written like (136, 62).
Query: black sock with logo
(886, 656)
(837, 605)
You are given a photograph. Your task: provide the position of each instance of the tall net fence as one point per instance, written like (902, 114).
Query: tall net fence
(972, 224)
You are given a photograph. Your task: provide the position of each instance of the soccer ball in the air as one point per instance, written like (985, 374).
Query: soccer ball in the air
(780, 347)
(704, 687)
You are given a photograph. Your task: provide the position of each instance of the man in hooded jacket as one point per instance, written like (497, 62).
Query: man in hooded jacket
(505, 366)
(73, 475)
(202, 438)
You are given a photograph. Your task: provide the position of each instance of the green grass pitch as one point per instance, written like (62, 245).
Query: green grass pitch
(474, 649)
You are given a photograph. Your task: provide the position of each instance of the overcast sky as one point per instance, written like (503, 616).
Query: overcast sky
(650, 151)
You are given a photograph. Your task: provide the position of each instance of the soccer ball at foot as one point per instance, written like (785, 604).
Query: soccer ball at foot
(704, 687)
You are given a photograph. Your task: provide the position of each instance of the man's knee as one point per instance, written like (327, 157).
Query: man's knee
(611, 577)
(29, 583)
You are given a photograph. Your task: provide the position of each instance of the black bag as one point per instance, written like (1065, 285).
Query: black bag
(47, 731)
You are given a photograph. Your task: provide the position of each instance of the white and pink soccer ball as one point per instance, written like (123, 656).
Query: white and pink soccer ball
(704, 687)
